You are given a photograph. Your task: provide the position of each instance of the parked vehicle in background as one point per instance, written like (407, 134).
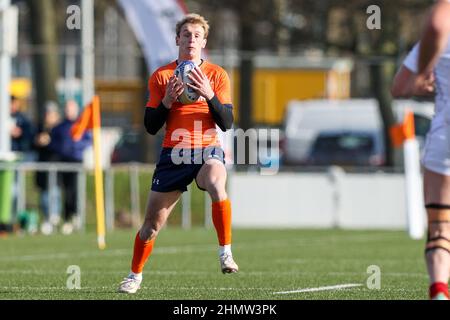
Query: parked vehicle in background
(347, 148)
(129, 148)
(344, 126)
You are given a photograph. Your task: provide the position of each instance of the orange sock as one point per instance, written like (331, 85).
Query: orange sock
(221, 216)
(142, 250)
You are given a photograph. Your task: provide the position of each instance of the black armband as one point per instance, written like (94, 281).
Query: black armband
(155, 118)
(222, 113)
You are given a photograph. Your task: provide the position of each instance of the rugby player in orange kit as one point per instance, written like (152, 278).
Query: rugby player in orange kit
(191, 150)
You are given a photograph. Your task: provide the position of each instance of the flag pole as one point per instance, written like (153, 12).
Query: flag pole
(403, 134)
(413, 182)
(99, 195)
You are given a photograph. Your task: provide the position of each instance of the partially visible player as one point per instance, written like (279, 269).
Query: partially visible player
(407, 83)
(427, 67)
(190, 135)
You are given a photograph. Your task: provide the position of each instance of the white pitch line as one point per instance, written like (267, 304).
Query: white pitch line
(337, 287)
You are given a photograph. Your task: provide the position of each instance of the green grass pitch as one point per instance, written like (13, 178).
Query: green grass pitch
(184, 265)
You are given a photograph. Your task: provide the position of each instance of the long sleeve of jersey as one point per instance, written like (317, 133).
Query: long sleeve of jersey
(155, 118)
(222, 114)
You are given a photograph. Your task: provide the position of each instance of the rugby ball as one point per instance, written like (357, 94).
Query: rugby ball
(182, 71)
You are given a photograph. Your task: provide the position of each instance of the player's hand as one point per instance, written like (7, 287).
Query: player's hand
(173, 90)
(200, 83)
(424, 85)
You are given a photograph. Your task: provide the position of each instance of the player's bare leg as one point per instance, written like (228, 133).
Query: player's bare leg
(159, 207)
(437, 200)
(212, 177)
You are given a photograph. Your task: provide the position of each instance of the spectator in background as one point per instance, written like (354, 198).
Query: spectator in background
(67, 150)
(22, 131)
(22, 134)
(44, 154)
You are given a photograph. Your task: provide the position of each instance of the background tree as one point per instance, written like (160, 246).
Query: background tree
(45, 60)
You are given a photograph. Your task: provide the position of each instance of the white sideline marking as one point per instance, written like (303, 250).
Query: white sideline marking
(337, 287)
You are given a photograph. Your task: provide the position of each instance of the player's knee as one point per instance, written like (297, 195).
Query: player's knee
(216, 189)
(438, 227)
(149, 231)
(219, 197)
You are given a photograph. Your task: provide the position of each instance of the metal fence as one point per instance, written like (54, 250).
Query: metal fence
(132, 170)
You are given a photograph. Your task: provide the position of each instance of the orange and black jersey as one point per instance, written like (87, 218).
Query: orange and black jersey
(190, 125)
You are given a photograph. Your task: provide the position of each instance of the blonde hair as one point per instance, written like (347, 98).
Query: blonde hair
(193, 18)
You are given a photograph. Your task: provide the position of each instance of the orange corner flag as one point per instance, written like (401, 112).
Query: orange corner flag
(403, 131)
(90, 119)
(87, 120)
